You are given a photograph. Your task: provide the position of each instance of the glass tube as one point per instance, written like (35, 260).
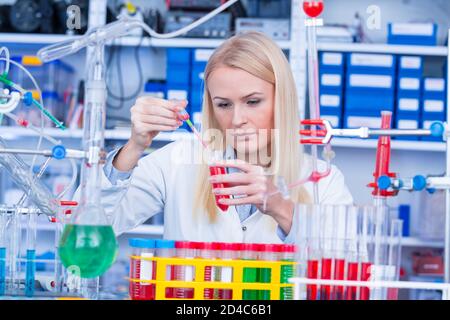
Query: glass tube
(30, 274)
(3, 249)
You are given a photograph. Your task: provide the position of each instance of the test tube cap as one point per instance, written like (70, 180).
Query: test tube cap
(141, 243)
(185, 245)
(164, 244)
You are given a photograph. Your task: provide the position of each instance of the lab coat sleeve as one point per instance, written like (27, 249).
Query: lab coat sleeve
(112, 173)
(130, 202)
(334, 191)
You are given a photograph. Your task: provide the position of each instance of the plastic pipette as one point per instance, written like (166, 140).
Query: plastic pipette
(184, 116)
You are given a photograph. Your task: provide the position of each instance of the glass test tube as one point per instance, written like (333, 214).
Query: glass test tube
(31, 255)
(326, 246)
(3, 245)
(287, 253)
(339, 230)
(351, 247)
(14, 252)
(395, 254)
(314, 254)
(380, 238)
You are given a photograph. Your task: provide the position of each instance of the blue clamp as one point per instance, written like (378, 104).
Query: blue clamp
(419, 183)
(437, 129)
(28, 98)
(59, 152)
(384, 182)
(431, 190)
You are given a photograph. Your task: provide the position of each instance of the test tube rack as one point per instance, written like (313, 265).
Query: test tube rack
(199, 285)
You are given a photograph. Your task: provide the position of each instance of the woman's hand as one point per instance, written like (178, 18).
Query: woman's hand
(149, 116)
(253, 185)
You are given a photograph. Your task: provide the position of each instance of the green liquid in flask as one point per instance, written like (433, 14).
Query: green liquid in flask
(91, 248)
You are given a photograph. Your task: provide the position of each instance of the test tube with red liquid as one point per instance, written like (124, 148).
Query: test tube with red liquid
(226, 273)
(142, 269)
(166, 249)
(185, 250)
(327, 242)
(205, 251)
(218, 170)
(351, 239)
(314, 254)
(340, 214)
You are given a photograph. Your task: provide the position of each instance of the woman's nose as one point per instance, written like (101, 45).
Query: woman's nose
(239, 116)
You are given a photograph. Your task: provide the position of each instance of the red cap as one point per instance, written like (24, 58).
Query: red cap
(237, 246)
(218, 246)
(185, 245)
(288, 248)
(251, 247)
(203, 245)
(270, 248)
(228, 246)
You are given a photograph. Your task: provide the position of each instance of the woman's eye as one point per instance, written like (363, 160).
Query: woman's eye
(223, 105)
(253, 102)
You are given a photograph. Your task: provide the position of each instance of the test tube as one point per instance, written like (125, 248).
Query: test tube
(301, 231)
(250, 274)
(218, 170)
(314, 254)
(226, 273)
(380, 239)
(3, 244)
(205, 251)
(366, 249)
(184, 250)
(339, 249)
(267, 252)
(351, 239)
(31, 255)
(14, 252)
(141, 269)
(166, 249)
(287, 253)
(395, 250)
(326, 245)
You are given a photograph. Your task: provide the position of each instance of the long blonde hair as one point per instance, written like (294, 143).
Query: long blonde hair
(258, 55)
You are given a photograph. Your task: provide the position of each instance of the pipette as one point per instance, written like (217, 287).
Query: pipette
(184, 116)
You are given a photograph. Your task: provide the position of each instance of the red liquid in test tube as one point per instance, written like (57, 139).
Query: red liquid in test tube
(325, 291)
(352, 275)
(365, 275)
(214, 170)
(312, 273)
(339, 266)
(313, 9)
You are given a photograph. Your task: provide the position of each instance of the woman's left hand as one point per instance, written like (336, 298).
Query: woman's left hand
(253, 185)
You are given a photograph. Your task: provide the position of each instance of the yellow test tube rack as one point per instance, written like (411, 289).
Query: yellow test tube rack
(199, 284)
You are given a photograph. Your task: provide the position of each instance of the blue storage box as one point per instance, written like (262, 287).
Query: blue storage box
(332, 62)
(434, 88)
(421, 34)
(356, 120)
(330, 99)
(379, 64)
(156, 89)
(409, 85)
(370, 83)
(196, 99)
(178, 56)
(330, 81)
(407, 121)
(433, 107)
(197, 75)
(410, 66)
(369, 102)
(201, 56)
(178, 74)
(408, 104)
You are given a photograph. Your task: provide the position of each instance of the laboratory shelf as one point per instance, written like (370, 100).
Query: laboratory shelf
(441, 51)
(417, 242)
(11, 133)
(26, 38)
(395, 144)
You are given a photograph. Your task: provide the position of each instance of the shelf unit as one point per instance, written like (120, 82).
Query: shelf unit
(10, 133)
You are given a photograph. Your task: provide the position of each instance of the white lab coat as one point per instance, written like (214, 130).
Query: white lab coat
(163, 183)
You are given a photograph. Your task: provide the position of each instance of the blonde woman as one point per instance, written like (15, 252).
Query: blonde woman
(250, 115)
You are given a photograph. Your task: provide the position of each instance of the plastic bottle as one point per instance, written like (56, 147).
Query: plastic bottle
(166, 249)
(141, 269)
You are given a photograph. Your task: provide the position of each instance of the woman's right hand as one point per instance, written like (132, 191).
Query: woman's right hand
(151, 115)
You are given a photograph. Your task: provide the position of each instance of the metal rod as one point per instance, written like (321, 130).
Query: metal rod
(70, 153)
(399, 132)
